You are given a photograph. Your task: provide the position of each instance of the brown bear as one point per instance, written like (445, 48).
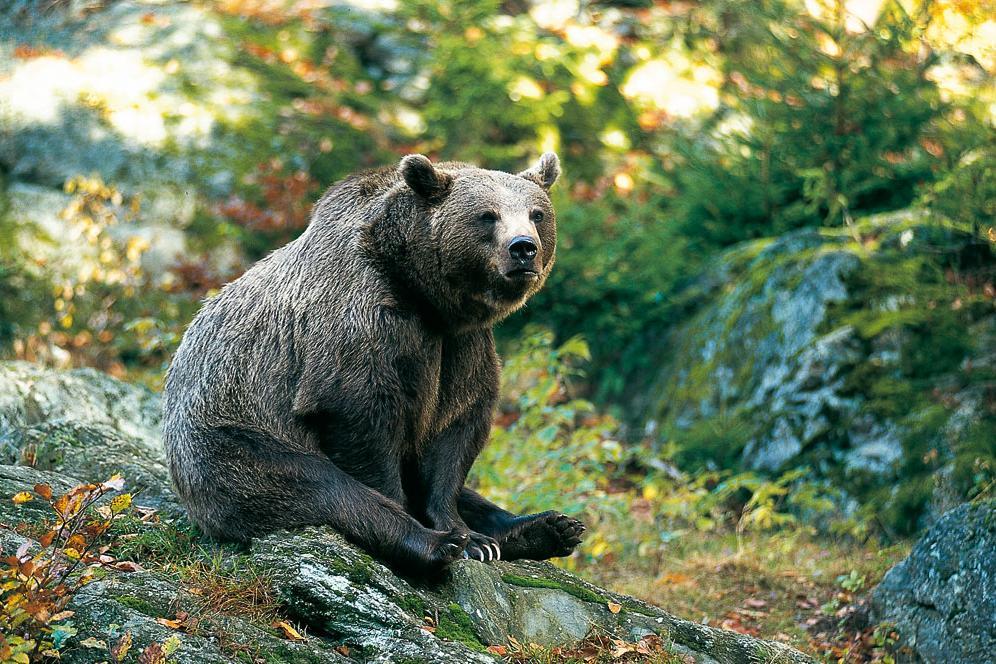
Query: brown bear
(350, 377)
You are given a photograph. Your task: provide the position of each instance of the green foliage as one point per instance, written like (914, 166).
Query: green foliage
(551, 450)
(817, 121)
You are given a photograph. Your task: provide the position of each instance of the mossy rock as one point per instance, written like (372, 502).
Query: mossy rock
(858, 360)
(344, 600)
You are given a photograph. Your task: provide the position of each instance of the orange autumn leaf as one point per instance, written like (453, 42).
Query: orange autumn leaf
(172, 624)
(44, 490)
(614, 607)
(288, 630)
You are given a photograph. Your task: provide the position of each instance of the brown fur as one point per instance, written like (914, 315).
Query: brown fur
(350, 377)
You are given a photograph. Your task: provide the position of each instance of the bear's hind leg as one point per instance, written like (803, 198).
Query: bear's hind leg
(532, 536)
(251, 485)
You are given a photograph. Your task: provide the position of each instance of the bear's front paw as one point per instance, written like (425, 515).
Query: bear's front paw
(449, 546)
(483, 548)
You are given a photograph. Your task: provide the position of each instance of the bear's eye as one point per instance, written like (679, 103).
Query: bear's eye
(536, 216)
(489, 217)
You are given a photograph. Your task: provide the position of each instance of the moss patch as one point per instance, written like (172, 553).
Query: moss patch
(138, 604)
(580, 592)
(456, 625)
(412, 604)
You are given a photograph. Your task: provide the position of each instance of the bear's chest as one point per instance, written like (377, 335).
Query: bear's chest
(440, 384)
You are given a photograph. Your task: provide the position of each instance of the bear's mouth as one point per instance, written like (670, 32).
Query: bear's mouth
(522, 274)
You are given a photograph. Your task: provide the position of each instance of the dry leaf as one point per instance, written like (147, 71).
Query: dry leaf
(172, 624)
(22, 497)
(614, 607)
(44, 490)
(120, 503)
(128, 566)
(153, 654)
(121, 648)
(755, 603)
(288, 630)
(498, 650)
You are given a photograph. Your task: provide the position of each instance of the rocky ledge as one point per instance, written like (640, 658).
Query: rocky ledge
(305, 596)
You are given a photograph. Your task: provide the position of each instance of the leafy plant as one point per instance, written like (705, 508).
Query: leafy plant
(39, 582)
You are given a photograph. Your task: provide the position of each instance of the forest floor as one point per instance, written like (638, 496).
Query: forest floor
(804, 590)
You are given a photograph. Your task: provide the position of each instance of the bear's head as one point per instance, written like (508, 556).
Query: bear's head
(473, 244)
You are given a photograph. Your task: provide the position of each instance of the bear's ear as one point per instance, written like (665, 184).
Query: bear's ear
(546, 172)
(419, 174)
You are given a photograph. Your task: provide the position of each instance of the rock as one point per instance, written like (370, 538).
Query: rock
(810, 349)
(942, 598)
(82, 425)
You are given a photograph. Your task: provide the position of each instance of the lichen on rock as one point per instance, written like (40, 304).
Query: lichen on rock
(942, 598)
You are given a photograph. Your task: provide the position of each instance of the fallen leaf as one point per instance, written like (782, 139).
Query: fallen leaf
(752, 603)
(44, 490)
(116, 483)
(22, 497)
(675, 578)
(498, 650)
(172, 624)
(121, 648)
(128, 566)
(91, 642)
(288, 630)
(614, 607)
(153, 654)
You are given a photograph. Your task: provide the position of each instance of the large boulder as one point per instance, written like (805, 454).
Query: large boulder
(865, 361)
(942, 598)
(221, 604)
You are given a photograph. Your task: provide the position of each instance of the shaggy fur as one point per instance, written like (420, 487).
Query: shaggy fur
(350, 377)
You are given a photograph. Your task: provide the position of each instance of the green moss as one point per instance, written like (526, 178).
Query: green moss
(362, 572)
(582, 593)
(456, 625)
(412, 604)
(138, 604)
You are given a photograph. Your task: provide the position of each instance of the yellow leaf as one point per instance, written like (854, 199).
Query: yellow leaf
(614, 607)
(22, 497)
(120, 503)
(288, 630)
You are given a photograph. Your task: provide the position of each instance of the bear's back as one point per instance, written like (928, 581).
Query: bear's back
(241, 355)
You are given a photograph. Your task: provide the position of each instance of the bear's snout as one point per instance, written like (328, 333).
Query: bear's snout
(521, 263)
(522, 249)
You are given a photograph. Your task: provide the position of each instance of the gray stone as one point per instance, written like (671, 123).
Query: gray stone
(942, 598)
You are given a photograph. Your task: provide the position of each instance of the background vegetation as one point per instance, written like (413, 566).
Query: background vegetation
(694, 135)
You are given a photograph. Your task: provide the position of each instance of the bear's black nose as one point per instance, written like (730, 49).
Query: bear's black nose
(522, 248)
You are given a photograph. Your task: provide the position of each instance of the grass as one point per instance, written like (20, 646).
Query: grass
(595, 649)
(224, 580)
(793, 587)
